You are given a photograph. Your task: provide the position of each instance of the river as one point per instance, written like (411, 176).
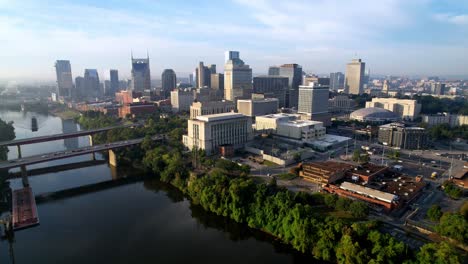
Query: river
(137, 222)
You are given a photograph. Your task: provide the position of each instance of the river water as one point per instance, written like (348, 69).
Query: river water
(139, 222)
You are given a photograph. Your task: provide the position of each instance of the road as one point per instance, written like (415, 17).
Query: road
(34, 140)
(71, 153)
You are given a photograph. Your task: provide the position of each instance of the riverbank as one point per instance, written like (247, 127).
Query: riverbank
(311, 223)
(65, 114)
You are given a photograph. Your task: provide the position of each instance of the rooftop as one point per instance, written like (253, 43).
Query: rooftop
(368, 169)
(259, 100)
(331, 166)
(300, 123)
(219, 117)
(373, 113)
(280, 116)
(376, 194)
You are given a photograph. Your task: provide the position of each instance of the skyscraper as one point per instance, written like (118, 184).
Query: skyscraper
(191, 78)
(274, 71)
(203, 74)
(313, 102)
(64, 78)
(91, 85)
(141, 78)
(169, 82)
(294, 74)
(336, 81)
(354, 79)
(217, 81)
(272, 87)
(230, 55)
(114, 82)
(237, 80)
(79, 87)
(212, 69)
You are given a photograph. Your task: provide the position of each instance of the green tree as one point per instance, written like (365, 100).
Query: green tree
(441, 253)
(349, 252)
(453, 225)
(357, 155)
(358, 209)
(147, 143)
(7, 132)
(434, 213)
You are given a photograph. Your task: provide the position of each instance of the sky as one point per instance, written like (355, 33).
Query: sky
(393, 37)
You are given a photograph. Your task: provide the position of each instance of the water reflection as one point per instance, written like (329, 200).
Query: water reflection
(69, 126)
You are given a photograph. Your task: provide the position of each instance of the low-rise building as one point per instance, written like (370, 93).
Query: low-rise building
(405, 108)
(137, 109)
(290, 127)
(367, 172)
(445, 118)
(210, 108)
(257, 107)
(326, 172)
(209, 132)
(399, 136)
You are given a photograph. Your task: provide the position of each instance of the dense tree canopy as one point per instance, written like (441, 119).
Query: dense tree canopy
(7, 132)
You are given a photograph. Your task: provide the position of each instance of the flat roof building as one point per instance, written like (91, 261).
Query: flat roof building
(272, 87)
(209, 132)
(181, 100)
(313, 102)
(399, 136)
(406, 109)
(210, 108)
(324, 172)
(257, 107)
(354, 79)
(289, 126)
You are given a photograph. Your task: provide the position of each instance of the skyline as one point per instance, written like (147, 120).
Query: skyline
(393, 37)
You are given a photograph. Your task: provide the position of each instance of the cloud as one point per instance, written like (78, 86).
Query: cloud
(320, 35)
(452, 19)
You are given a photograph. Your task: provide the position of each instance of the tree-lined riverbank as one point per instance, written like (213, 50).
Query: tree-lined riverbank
(309, 223)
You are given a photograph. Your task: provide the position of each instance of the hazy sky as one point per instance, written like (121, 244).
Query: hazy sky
(393, 37)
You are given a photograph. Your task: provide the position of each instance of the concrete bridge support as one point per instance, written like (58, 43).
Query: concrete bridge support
(91, 143)
(24, 176)
(19, 151)
(112, 158)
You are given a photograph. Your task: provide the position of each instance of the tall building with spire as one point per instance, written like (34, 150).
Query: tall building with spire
(355, 79)
(237, 80)
(64, 78)
(141, 78)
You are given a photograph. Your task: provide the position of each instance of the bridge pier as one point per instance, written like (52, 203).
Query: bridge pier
(19, 151)
(91, 143)
(112, 158)
(24, 176)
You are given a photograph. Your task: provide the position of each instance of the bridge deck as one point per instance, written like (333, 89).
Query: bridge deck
(24, 209)
(33, 140)
(70, 153)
